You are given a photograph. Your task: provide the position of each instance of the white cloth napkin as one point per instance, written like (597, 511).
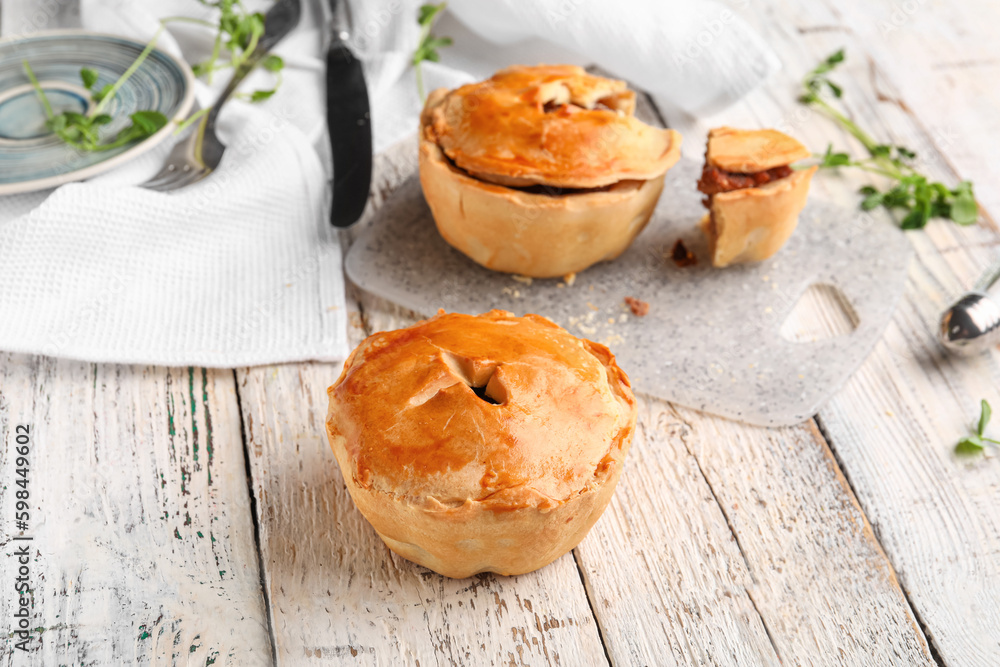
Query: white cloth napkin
(242, 268)
(694, 56)
(239, 269)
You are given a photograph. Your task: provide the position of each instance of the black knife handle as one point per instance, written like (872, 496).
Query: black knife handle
(348, 119)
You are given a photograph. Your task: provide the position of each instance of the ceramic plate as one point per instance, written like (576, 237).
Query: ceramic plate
(31, 158)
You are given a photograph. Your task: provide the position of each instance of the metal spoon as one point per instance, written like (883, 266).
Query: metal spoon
(972, 325)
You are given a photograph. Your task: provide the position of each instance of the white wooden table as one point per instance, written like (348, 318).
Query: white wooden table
(197, 517)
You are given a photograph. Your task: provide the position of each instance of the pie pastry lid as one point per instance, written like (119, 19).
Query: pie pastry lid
(551, 125)
(750, 151)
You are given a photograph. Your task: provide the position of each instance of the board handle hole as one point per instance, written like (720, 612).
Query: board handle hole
(822, 312)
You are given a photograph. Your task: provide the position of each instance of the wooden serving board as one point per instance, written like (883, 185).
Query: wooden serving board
(711, 339)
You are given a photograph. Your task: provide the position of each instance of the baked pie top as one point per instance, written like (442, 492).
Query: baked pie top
(552, 125)
(751, 151)
(494, 409)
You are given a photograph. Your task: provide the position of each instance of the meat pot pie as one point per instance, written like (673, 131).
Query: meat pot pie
(541, 171)
(753, 196)
(481, 443)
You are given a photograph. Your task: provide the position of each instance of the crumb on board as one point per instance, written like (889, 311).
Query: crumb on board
(522, 279)
(592, 306)
(638, 307)
(516, 293)
(682, 256)
(569, 279)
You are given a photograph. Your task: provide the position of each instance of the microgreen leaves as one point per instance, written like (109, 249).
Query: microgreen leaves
(975, 444)
(816, 80)
(271, 63)
(81, 130)
(916, 197)
(237, 33)
(89, 77)
(427, 48)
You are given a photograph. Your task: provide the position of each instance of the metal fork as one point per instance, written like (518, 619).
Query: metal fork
(198, 155)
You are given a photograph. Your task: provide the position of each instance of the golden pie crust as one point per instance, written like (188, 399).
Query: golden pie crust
(550, 124)
(750, 151)
(504, 480)
(541, 171)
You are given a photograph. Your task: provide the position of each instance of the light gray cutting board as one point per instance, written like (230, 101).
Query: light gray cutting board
(711, 339)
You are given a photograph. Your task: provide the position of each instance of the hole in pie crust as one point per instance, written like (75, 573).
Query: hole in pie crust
(603, 104)
(481, 393)
(480, 375)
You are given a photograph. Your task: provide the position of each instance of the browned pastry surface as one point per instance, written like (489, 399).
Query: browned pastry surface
(549, 124)
(749, 151)
(475, 443)
(416, 427)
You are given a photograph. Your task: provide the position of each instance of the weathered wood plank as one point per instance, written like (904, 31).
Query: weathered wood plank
(942, 59)
(896, 420)
(338, 593)
(666, 578)
(730, 544)
(143, 549)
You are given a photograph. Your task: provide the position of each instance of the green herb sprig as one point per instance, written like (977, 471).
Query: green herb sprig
(427, 48)
(917, 196)
(274, 64)
(975, 444)
(237, 33)
(81, 130)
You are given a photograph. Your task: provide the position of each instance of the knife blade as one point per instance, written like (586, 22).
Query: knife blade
(348, 119)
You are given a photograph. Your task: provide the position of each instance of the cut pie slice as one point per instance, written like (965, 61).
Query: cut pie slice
(753, 196)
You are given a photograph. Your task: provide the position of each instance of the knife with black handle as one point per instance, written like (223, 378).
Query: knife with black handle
(348, 119)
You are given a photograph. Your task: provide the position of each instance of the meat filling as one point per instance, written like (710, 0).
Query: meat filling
(714, 180)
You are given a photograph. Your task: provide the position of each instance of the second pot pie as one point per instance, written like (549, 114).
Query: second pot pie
(541, 171)
(481, 443)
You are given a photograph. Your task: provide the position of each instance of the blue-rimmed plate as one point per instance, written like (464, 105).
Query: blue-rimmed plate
(31, 158)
